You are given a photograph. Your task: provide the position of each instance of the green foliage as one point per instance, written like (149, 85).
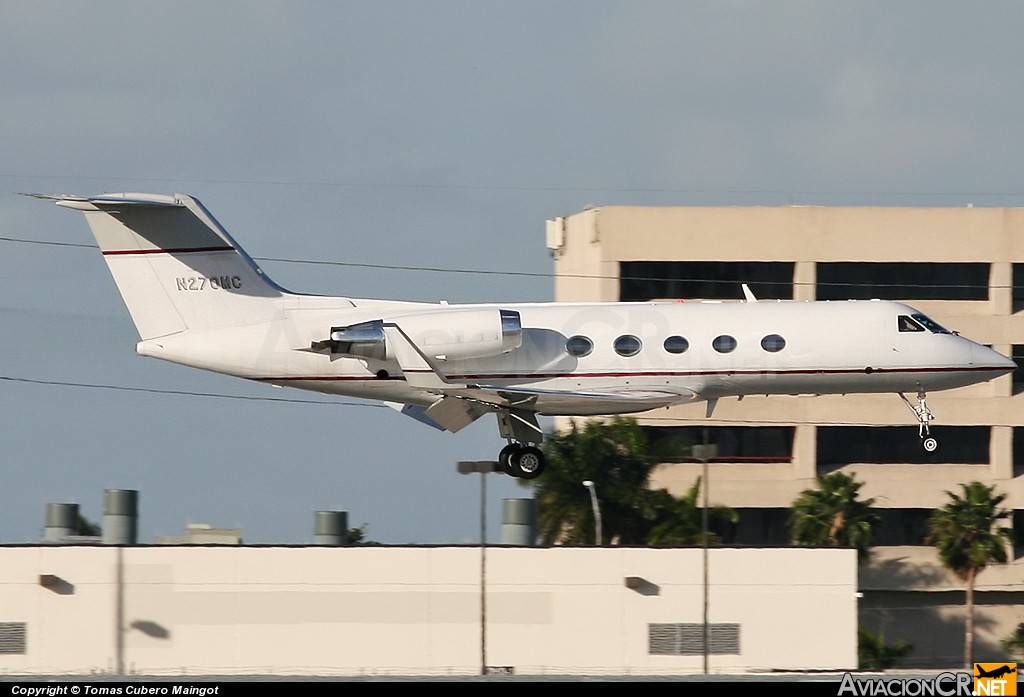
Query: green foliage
(966, 530)
(1014, 644)
(613, 456)
(874, 654)
(87, 528)
(680, 521)
(617, 457)
(833, 515)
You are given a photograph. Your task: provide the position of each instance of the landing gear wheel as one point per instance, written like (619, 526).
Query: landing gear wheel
(505, 457)
(527, 462)
(930, 444)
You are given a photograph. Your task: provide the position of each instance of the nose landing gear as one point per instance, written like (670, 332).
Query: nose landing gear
(924, 417)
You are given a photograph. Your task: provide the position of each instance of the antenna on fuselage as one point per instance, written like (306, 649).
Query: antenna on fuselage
(748, 294)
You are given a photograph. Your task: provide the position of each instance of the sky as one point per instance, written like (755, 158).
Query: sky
(387, 135)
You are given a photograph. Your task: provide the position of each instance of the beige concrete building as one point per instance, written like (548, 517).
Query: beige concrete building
(957, 265)
(222, 610)
(964, 267)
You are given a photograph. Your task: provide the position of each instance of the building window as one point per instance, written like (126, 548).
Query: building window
(773, 343)
(756, 444)
(687, 639)
(844, 445)
(627, 345)
(1018, 374)
(1018, 287)
(676, 344)
(724, 344)
(902, 526)
(902, 281)
(640, 281)
(760, 526)
(1018, 453)
(579, 346)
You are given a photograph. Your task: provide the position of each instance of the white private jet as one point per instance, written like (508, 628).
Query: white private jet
(198, 299)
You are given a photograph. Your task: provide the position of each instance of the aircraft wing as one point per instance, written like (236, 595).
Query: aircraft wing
(624, 399)
(457, 407)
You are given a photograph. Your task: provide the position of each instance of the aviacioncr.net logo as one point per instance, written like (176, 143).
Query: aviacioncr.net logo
(942, 685)
(995, 679)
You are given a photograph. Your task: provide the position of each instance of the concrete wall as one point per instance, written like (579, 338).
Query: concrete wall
(416, 610)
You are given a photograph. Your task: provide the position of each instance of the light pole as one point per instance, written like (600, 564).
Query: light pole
(597, 510)
(704, 453)
(483, 467)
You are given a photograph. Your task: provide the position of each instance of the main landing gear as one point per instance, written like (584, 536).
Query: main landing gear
(521, 458)
(522, 461)
(924, 417)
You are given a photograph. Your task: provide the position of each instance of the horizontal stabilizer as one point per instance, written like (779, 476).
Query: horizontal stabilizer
(87, 203)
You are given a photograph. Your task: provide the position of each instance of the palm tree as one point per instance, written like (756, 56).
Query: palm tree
(679, 521)
(617, 457)
(833, 516)
(1014, 643)
(613, 456)
(968, 536)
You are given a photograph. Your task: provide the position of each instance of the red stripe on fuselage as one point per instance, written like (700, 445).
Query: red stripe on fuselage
(700, 373)
(650, 373)
(179, 250)
(329, 378)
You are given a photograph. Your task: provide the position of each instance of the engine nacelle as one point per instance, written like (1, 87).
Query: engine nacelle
(365, 340)
(454, 335)
(446, 335)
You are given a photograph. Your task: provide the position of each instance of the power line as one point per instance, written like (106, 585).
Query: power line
(522, 187)
(186, 393)
(494, 272)
(373, 405)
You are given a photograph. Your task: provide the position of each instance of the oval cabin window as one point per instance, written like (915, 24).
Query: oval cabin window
(676, 344)
(579, 346)
(627, 345)
(724, 343)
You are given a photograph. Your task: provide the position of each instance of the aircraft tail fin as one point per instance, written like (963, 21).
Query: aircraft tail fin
(176, 268)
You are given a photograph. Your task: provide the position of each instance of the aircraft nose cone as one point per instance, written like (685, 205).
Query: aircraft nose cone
(984, 356)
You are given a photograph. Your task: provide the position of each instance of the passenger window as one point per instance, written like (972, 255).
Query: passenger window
(627, 345)
(579, 346)
(773, 343)
(907, 324)
(676, 344)
(724, 343)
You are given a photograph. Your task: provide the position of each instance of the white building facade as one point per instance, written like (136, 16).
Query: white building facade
(225, 610)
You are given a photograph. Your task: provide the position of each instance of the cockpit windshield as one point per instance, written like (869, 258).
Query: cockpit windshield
(930, 324)
(908, 325)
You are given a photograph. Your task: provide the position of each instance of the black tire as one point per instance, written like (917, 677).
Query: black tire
(527, 462)
(505, 458)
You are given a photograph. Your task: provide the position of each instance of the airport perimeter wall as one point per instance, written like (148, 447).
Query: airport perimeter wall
(177, 610)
